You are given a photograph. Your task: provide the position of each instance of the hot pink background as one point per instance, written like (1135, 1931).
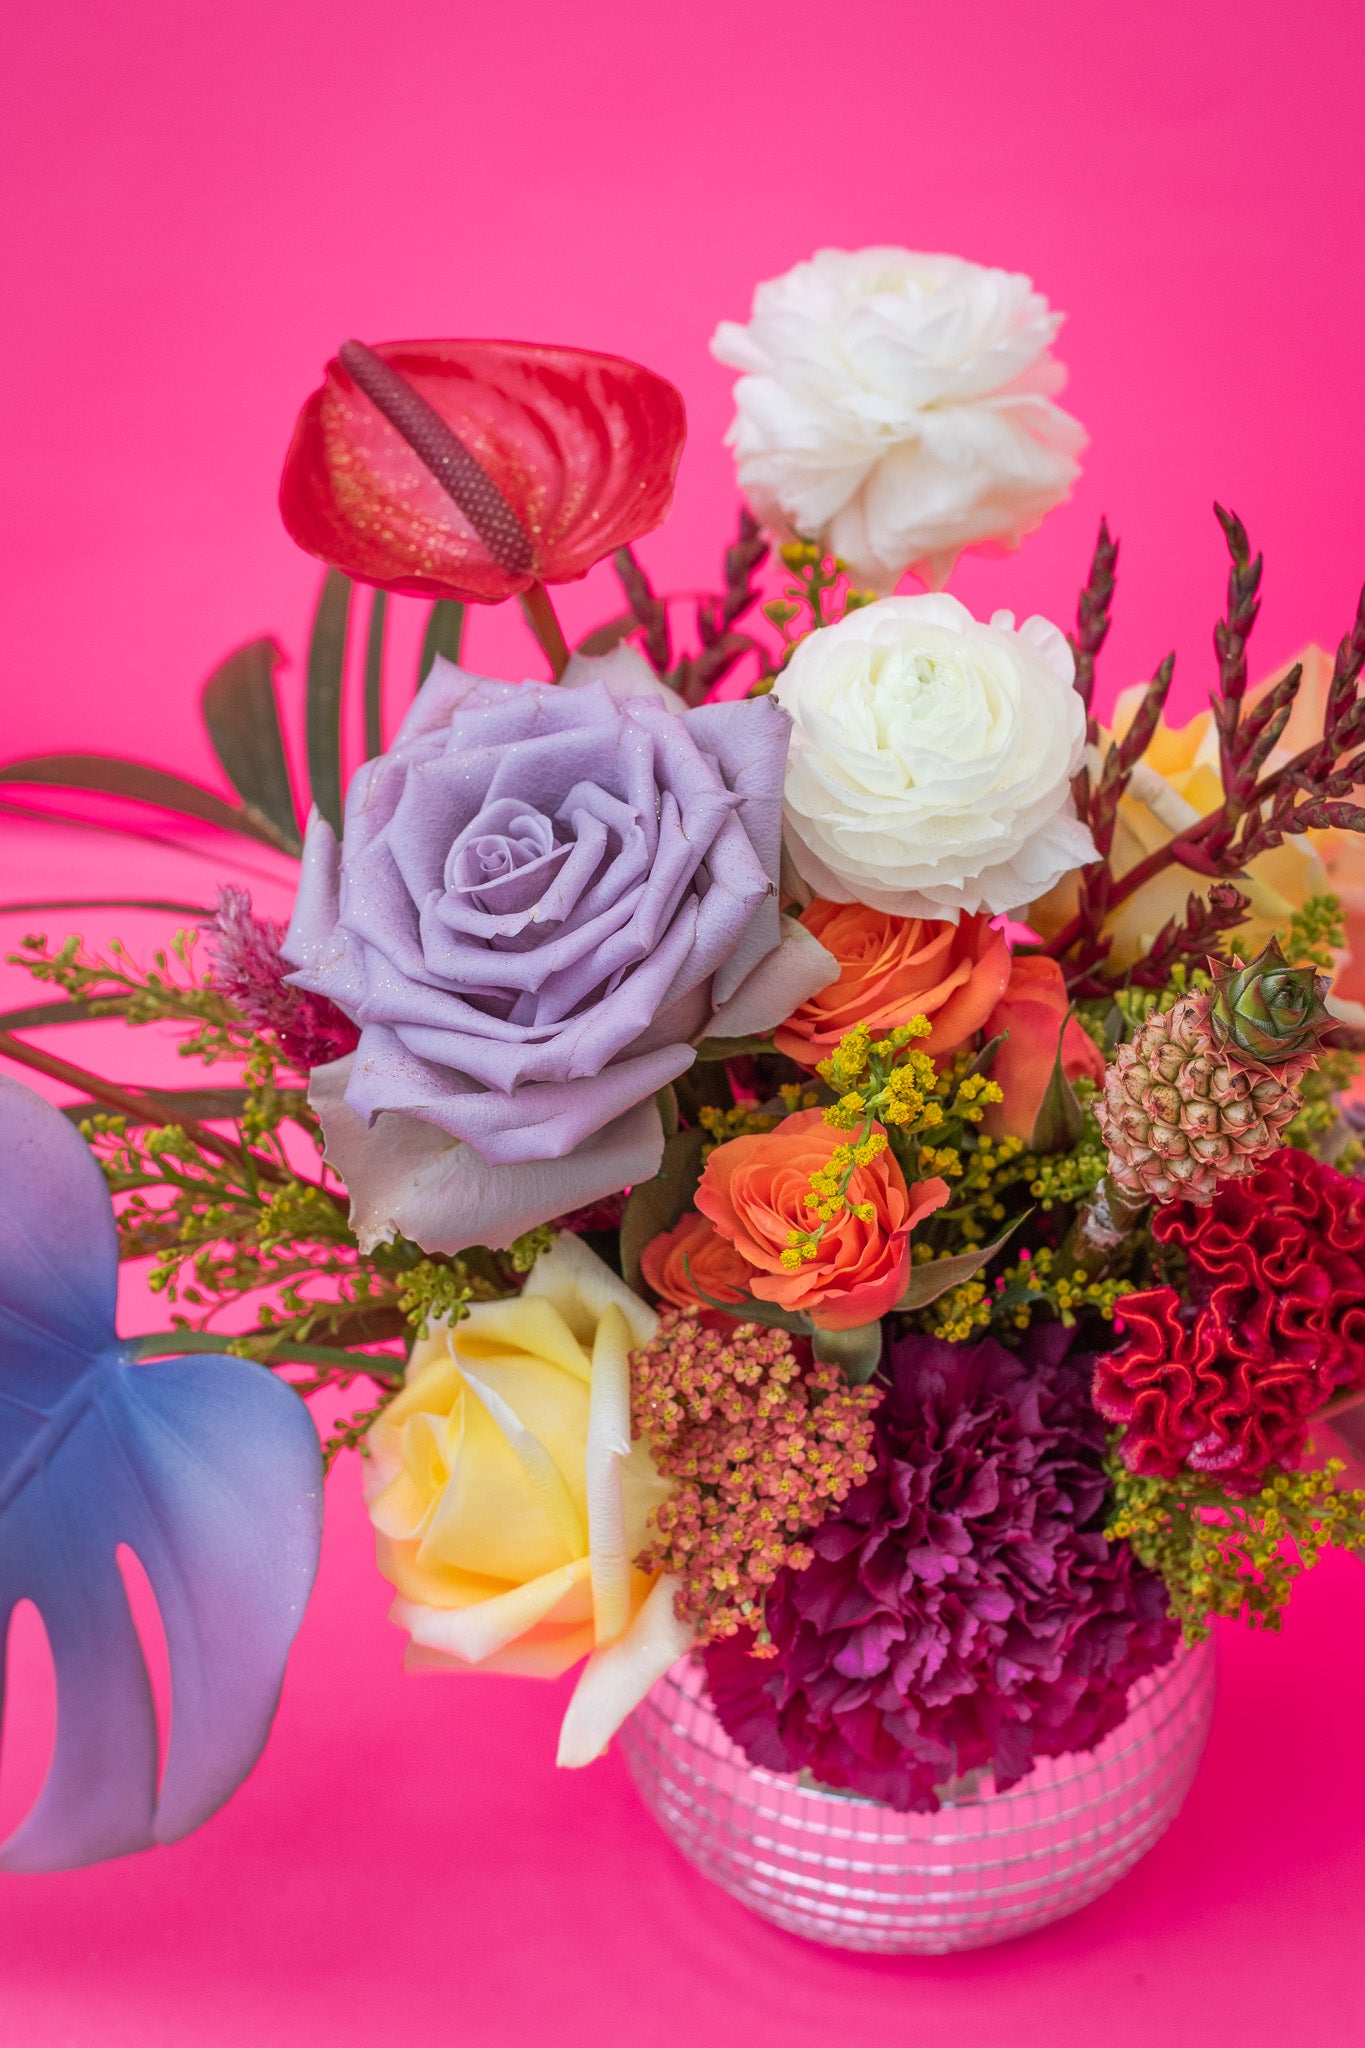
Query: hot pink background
(200, 203)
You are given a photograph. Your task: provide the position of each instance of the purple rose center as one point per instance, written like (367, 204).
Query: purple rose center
(502, 864)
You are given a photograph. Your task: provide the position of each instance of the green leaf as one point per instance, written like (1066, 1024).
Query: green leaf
(243, 720)
(204, 1104)
(606, 639)
(1060, 1122)
(655, 1205)
(985, 1059)
(856, 1352)
(708, 1049)
(750, 1311)
(170, 904)
(928, 1282)
(326, 672)
(374, 675)
(113, 775)
(444, 635)
(667, 1099)
(164, 1343)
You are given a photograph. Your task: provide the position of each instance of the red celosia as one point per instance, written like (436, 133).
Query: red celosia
(1225, 1381)
(475, 469)
(249, 969)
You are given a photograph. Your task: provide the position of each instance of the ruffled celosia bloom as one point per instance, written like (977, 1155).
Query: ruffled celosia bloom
(964, 1607)
(510, 1502)
(250, 969)
(898, 408)
(1272, 1323)
(931, 759)
(761, 1194)
(760, 1450)
(1033, 1016)
(472, 469)
(892, 969)
(685, 1264)
(542, 897)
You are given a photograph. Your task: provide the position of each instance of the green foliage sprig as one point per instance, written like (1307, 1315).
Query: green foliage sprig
(1233, 1556)
(245, 1223)
(820, 593)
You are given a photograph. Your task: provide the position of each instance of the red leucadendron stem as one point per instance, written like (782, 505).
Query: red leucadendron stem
(1164, 857)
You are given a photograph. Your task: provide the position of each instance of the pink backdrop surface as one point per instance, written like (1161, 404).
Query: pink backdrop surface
(199, 204)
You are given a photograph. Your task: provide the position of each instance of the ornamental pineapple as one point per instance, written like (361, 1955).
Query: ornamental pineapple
(1205, 1091)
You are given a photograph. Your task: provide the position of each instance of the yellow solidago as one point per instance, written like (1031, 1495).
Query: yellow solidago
(1232, 1555)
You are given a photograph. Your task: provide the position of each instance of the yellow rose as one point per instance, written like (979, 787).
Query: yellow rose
(509, 1500)
(1177, 782)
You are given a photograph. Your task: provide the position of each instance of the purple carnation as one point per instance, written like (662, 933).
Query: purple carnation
(542, 897)
(963, 1607)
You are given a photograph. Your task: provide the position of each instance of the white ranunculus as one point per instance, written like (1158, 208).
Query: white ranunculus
(931, 759)
(897, 408)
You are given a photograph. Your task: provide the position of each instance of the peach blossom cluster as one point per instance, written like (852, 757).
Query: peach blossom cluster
(759, 1449)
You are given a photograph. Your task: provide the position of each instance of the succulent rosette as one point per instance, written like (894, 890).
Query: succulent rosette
(541, 899)
(964, 1608)
(1267, 1010)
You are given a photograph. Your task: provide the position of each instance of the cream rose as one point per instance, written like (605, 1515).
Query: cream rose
(509, 1500)
(931, 759)
(897, 408)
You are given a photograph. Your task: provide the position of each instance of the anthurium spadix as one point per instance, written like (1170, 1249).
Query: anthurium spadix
(207, 1468)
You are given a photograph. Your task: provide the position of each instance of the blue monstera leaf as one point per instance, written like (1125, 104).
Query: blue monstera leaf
(207, 1468)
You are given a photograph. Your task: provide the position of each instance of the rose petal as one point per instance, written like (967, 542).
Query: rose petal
(625, 673)
(615, 1680)
(797, 967)
(475, 1633)
(404, 1175)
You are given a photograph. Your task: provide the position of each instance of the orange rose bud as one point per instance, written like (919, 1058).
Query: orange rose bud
(756, 1191)
(714, 1263)
(1033, 1011)
(893, 969)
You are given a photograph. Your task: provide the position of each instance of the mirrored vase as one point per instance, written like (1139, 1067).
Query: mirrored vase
(988, 1865)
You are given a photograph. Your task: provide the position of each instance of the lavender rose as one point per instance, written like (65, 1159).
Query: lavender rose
(542, 897)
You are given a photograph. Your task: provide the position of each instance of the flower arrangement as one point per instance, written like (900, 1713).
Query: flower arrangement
(811, 1152)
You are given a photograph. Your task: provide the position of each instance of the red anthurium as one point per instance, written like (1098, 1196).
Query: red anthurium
(478, 469)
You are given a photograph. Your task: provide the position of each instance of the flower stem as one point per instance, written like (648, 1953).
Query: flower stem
(152, 1109)
(540, 617)
(175, 1343)
(1101, 1226)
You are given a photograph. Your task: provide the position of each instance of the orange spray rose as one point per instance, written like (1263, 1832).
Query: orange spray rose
(893, 969)
(714, 1263)
(756, 1190)
(1033, 1011)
